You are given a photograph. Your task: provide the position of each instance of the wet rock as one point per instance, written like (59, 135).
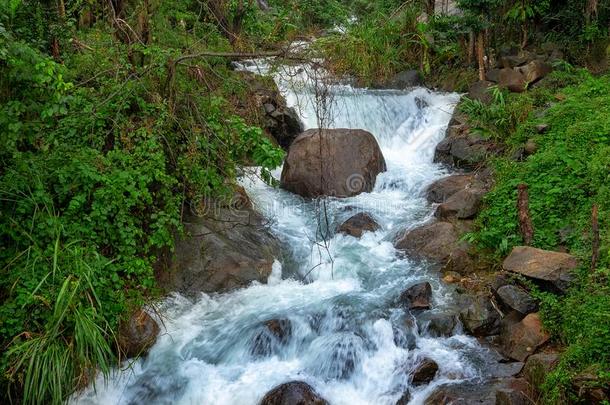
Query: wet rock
(403, 331)
(274, 333)
(425, 372)
(535, 70)
(480, 91)
(228, 249)
(505, 370)
(469, 393)
(437, 242)
(518, 299)
(512, 80)
(464, 204)
(538, 366)
(358, 224)
(417, 296)
(137, 334)
(293, 393)
(348, 164)
(404, 399)
(279, 120)
(551, 269)
(525, 337)
(441, 190)
(404, 80)
(479, 317)
(437, 324)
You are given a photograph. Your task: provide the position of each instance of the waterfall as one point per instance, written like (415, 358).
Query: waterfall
(347, 337)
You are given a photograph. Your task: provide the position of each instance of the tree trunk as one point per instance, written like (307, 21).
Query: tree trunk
(481, 55)
(471, 45)
(591, 10)
(525, 222)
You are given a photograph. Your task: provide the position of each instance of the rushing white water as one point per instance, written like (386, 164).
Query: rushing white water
(348, 339)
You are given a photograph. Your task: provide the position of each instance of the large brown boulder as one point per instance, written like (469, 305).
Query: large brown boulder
(332, 162)
(438, 242)
(137, 334)
(535, 70)
(293, 393)
(227, 249)
(512, 80)
(358, 224)
(522, 339)
(553, 269)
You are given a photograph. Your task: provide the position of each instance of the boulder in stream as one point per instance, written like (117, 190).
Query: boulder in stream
(332, 162)
(293, 393)
(425, 372)
(358, 224)
(418, 296)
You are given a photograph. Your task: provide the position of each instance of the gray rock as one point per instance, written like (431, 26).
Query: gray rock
(226, 250)
(479, 317)
(437, 324)
(441, 190)
(518, 299)
(464, 204)
(512, 80)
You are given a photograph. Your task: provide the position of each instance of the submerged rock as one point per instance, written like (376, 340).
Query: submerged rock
(137, 334)
(552, 269)
(437, 324)
(332, 162)
(404, 399)
(293, 393)
(358, 224)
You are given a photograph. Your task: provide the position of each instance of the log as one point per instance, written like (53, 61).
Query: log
(525, 222)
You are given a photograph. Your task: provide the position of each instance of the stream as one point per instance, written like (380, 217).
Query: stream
(349, 339)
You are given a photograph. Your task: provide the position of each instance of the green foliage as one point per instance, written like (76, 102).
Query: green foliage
(99, 155)
(569, 173)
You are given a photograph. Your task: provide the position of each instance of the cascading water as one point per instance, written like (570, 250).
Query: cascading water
(347, 336)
